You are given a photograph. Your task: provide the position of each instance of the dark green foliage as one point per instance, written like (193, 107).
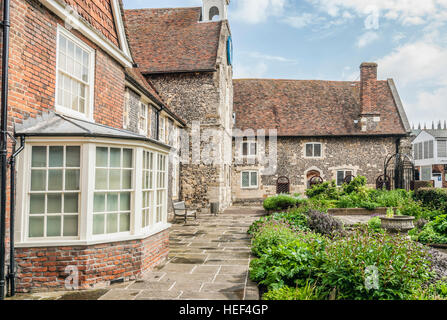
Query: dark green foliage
(325, 190)
(355, 185)
(432, 198)
(375, 225)
(270, 235)
(281, 202)
(433, 232)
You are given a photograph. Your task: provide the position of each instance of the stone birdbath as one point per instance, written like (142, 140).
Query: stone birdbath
(396, 224)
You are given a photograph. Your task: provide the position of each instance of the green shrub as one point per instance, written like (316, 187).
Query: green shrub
(288, 263)
(280, 202)
(325, 190)
(308, 292)
(436, 291)
(269, 235)
(401, 266)
(433, 232)
(375, 225)
(432, 198)
(355, 185)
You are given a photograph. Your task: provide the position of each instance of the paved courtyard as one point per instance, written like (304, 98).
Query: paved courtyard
(209, 260)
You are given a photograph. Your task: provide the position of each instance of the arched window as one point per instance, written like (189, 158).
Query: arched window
(214, 13)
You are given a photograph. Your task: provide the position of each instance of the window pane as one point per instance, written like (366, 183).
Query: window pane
(101, 157)
(127, 179)
(340, 177)
(309, 150)
(53, 226)
(125, 201)
(99, 204)
(317, 150)
(115, 157)
(37, 203)
(114, 179)
(55, 179)
(36, 225)
(98, 224)
(71, 203)
(245, 179)
(127, 158)
(254, 179)
(112, 202)
(124, 222)
(112, 223)
(56, 156)
(38, 180)
(70, 226)
(54, 203)
(244, 149)
(253, 149)
(39, 157)
(101, 179)
(73, 157)
(72, 179)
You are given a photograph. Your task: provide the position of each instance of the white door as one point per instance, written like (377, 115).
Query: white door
(438, 180)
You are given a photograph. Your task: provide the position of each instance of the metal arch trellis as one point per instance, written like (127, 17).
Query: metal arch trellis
(399, 173)
(316, 180)
(282, 185)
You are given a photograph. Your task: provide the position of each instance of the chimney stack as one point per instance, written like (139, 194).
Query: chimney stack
(369, 116)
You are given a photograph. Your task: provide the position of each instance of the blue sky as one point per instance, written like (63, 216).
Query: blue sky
(328, 39)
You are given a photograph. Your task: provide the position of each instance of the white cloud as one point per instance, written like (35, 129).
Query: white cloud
(302, 20)
(263, 56)
(367, 38)
(428, 106)
(250, 71)
(256, 11)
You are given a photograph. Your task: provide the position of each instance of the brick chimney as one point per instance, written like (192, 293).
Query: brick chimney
(369, 116)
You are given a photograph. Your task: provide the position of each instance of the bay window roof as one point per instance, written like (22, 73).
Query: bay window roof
(56, 125)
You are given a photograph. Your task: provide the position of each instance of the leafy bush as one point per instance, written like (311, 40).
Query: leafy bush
(325, 190)
(432, 198)
(280, 202)
(323, 223)
(308, 292)
(295, 219)
(356, 184)
(271, 234)
(375, 225)
(433, 232)
(401, 266)
(436, 291)
(288, 263)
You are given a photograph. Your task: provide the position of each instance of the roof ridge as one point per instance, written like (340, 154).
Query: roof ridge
(167, 8)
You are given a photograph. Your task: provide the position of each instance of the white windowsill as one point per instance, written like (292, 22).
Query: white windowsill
(60, 243)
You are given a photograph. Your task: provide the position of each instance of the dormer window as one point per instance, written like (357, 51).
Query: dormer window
(74, 76)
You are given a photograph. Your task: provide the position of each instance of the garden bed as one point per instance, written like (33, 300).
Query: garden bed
(357, 212)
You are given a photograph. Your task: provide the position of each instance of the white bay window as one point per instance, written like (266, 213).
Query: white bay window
(90, 190)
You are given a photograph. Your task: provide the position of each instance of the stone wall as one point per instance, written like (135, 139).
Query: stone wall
(205, 97)
(362, 155)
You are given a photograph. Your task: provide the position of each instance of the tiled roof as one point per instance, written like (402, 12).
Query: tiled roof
(311, 107)
(172, 40)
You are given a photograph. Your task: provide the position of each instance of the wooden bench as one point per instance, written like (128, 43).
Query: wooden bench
(180, 211)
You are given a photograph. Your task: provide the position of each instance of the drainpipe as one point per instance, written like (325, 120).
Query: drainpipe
(4, 142)
(12, 162)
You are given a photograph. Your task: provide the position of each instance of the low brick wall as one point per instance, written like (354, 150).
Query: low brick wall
(44, 268)
(356, 212)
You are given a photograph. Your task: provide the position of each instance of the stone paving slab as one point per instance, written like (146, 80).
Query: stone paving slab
(209, 260)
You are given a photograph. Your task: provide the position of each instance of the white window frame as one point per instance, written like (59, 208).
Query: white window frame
(89, 106)
(126, 118)
(249, 143)
(151, 190)
(249, 180)
(142, 118)
(313, 150)
(344, 175)
(86, 193)
(162, 129)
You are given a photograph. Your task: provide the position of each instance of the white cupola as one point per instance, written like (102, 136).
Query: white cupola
(215, 10)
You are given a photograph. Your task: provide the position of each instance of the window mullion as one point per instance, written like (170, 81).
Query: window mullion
(136, 215)
(88, 155)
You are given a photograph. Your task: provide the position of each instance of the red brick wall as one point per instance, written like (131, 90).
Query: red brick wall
(44, 268)
(99, 14)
